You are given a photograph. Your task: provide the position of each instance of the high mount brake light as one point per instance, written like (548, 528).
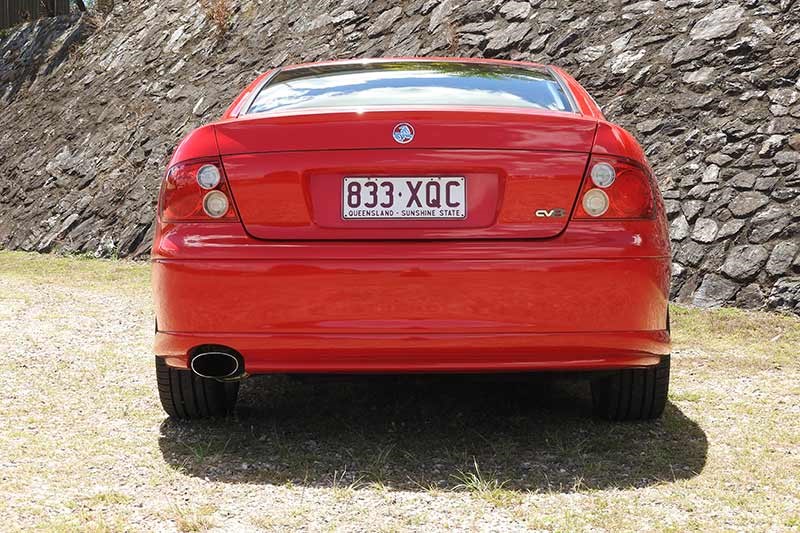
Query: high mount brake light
(627, 188)
(196, 191)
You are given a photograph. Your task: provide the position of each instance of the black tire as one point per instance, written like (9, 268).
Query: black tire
(186, 395)
(632, 394)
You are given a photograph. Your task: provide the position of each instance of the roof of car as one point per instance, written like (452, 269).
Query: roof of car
(364, 61)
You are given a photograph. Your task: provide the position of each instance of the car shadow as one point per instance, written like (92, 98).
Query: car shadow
(432, 432)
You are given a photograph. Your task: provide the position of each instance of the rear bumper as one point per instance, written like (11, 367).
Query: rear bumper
(302, 308)
(457, 352)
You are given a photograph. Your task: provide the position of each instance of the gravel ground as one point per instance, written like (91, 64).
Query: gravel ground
(84, 444)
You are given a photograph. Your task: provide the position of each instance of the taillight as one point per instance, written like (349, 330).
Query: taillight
(615, 188)
(196, 191)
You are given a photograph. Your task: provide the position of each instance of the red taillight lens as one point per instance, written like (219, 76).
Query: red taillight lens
(184, 195)
(629, 195)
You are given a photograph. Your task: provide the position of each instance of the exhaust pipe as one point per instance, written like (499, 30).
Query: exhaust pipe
(217, 362)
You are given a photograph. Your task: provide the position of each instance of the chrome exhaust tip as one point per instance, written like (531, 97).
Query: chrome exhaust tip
(217, 362)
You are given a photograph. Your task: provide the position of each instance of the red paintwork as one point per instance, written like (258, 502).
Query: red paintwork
(200, 143)
(294, 288)
(288, 196)
(469, 127)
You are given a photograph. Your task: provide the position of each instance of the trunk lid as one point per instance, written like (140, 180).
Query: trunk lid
(516, 174)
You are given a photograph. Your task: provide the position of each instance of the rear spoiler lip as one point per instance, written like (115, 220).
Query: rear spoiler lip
(400, 149)
(473, 128)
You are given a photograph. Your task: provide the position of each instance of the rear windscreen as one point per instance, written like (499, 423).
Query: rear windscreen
(409, 83)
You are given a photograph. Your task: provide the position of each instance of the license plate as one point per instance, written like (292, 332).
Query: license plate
(414, 198)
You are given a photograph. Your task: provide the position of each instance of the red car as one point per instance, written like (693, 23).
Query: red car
(411, 216)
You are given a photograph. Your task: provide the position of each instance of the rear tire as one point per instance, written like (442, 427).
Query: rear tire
(186, 395)
(633, 393)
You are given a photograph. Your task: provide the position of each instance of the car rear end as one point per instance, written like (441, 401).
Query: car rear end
(411, 216)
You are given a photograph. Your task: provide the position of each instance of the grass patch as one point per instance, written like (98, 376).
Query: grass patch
(685, 396)
(752, 334)
(109, 498)
(191, 520)
(85, 521)
(343, 485)
(106, 275)
(291, 520)
(474, 481)
(489, 489)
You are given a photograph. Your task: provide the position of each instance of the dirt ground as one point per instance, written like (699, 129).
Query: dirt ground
(84, 444)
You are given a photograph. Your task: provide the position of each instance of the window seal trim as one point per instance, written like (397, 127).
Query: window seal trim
(570, 97)
(245, 109)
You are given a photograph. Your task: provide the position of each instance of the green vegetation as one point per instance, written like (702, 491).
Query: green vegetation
(84, 271)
